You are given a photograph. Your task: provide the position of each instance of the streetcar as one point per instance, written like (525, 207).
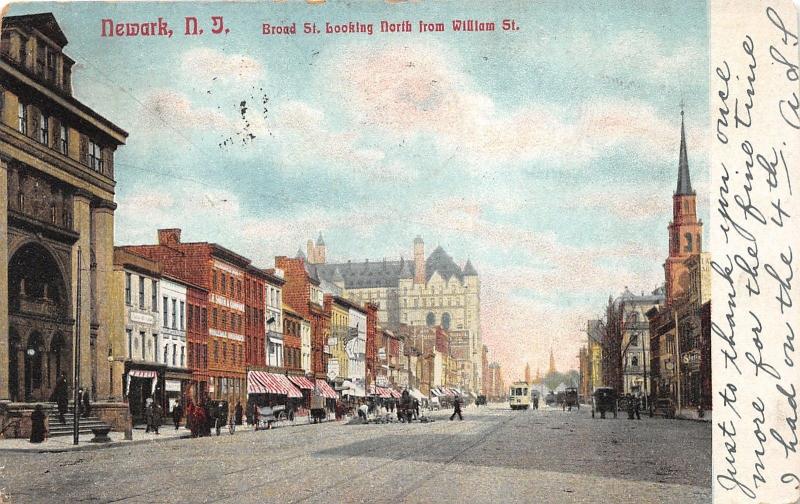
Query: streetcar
(519, 396)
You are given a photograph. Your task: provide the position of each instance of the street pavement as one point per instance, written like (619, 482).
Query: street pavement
(494, 455)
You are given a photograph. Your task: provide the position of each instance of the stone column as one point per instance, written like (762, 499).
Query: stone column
(82, 225)
(4, 391)
(107, 337)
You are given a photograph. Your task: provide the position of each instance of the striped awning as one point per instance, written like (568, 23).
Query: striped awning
(383, 392)
(325, 390)
(396, 393)
(302, 382)
(261, 382)
(435, 392)
(291, 390)
(143, 373)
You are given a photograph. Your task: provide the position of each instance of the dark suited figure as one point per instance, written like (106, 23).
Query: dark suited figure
(38, 430)
(637, 405)
(61, 397)
(457, 409)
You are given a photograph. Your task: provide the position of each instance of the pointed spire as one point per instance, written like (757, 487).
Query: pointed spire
(300, 254)
(320, 241)
(469, 269)
(684, 182)
(552, 368)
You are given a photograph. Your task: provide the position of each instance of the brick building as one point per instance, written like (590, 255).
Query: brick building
(197, 340)
(302, 293)
(223, 274)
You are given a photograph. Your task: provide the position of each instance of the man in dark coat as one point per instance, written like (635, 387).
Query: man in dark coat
(61, 397)
(457, 409)
(177, 413)
(37, 424)
(238, 413)
(87, 407)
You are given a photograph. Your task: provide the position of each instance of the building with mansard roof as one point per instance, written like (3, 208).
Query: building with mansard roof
(56, 222)
(422, 291)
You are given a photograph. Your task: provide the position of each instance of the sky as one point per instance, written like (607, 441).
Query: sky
(547, 155)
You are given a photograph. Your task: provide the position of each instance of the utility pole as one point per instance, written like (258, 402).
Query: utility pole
(76, 369)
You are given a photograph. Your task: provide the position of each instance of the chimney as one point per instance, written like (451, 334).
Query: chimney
(311, 252)
(169, 236)
(419, 260)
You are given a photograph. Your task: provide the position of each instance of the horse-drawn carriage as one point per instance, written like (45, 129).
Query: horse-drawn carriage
(571, 399)
(267, 415)
(317, 412)
(406, 407)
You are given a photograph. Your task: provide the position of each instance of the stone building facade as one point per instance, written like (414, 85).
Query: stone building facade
(423, 291)
(56, 218)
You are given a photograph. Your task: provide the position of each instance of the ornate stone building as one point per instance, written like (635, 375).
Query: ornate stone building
(432, 291)
(56, 218)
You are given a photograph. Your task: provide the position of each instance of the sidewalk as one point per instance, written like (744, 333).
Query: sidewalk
(691, 414)
(167, 432)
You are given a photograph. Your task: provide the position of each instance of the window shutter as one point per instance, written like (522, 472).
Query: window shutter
(84, 149)
(108, 162)
(55, 133)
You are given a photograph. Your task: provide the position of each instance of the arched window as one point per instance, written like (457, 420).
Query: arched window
(446, 321)
(635, 361)
(430, 320)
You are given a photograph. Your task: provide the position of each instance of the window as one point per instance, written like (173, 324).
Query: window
(95, 156)
(41, 54)
(204, 317)
(688, 237)
(635, 361)
(63, 142)
(23, 50)
(183, 350)
(190, 316)
(44, 132)
(174, 314)
(67, 76)
(214, 279)
(239, 288)
(141, 335)
(216, 350)
(174, 354)
(141, 293)
(635, 340)
(129, 336)
(22, 118)
(127, 289)
(183, 307)
(231, 285)
(224, 350)
(166, 351)
(224, 320)
(165, 309)
(154, 295)
(214, 318)
(222, 283)
(51, 66)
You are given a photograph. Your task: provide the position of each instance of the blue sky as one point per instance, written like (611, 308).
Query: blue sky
(548, 155)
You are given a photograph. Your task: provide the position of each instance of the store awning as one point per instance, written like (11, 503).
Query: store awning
(384, 392)
(143, 373)
(435, 392)
(261, 382)
(289, 388)
(396, 393)
(473, 395)
(416, 394)
(325, 390)
(302, 382)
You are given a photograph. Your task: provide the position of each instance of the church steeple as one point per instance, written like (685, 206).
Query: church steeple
(552, 368)
(684, 181)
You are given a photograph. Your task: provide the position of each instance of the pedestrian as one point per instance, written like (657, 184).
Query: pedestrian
(362, 412)
(61, 397)
(177, 413)
(238, 412)
(256, 414)
(157, 415)
(637, 407)
(629, 406)
(457, 409)
(38, 430)
(148, 414)
(87, 407)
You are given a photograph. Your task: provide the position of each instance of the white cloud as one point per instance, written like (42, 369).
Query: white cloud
(413, 89)
(208, 64)
(165, 109)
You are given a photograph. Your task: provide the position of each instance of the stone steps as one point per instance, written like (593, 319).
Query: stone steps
(66, 429)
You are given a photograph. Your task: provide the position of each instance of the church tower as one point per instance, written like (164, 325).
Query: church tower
(552, 368)
(685, 231)
(527, 373)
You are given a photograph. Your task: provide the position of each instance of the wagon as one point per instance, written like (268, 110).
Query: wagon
(571, 398)
(267, 415)
(604, 400)
(317, 412)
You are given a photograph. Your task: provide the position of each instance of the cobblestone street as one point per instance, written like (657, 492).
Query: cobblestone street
(494, 455)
